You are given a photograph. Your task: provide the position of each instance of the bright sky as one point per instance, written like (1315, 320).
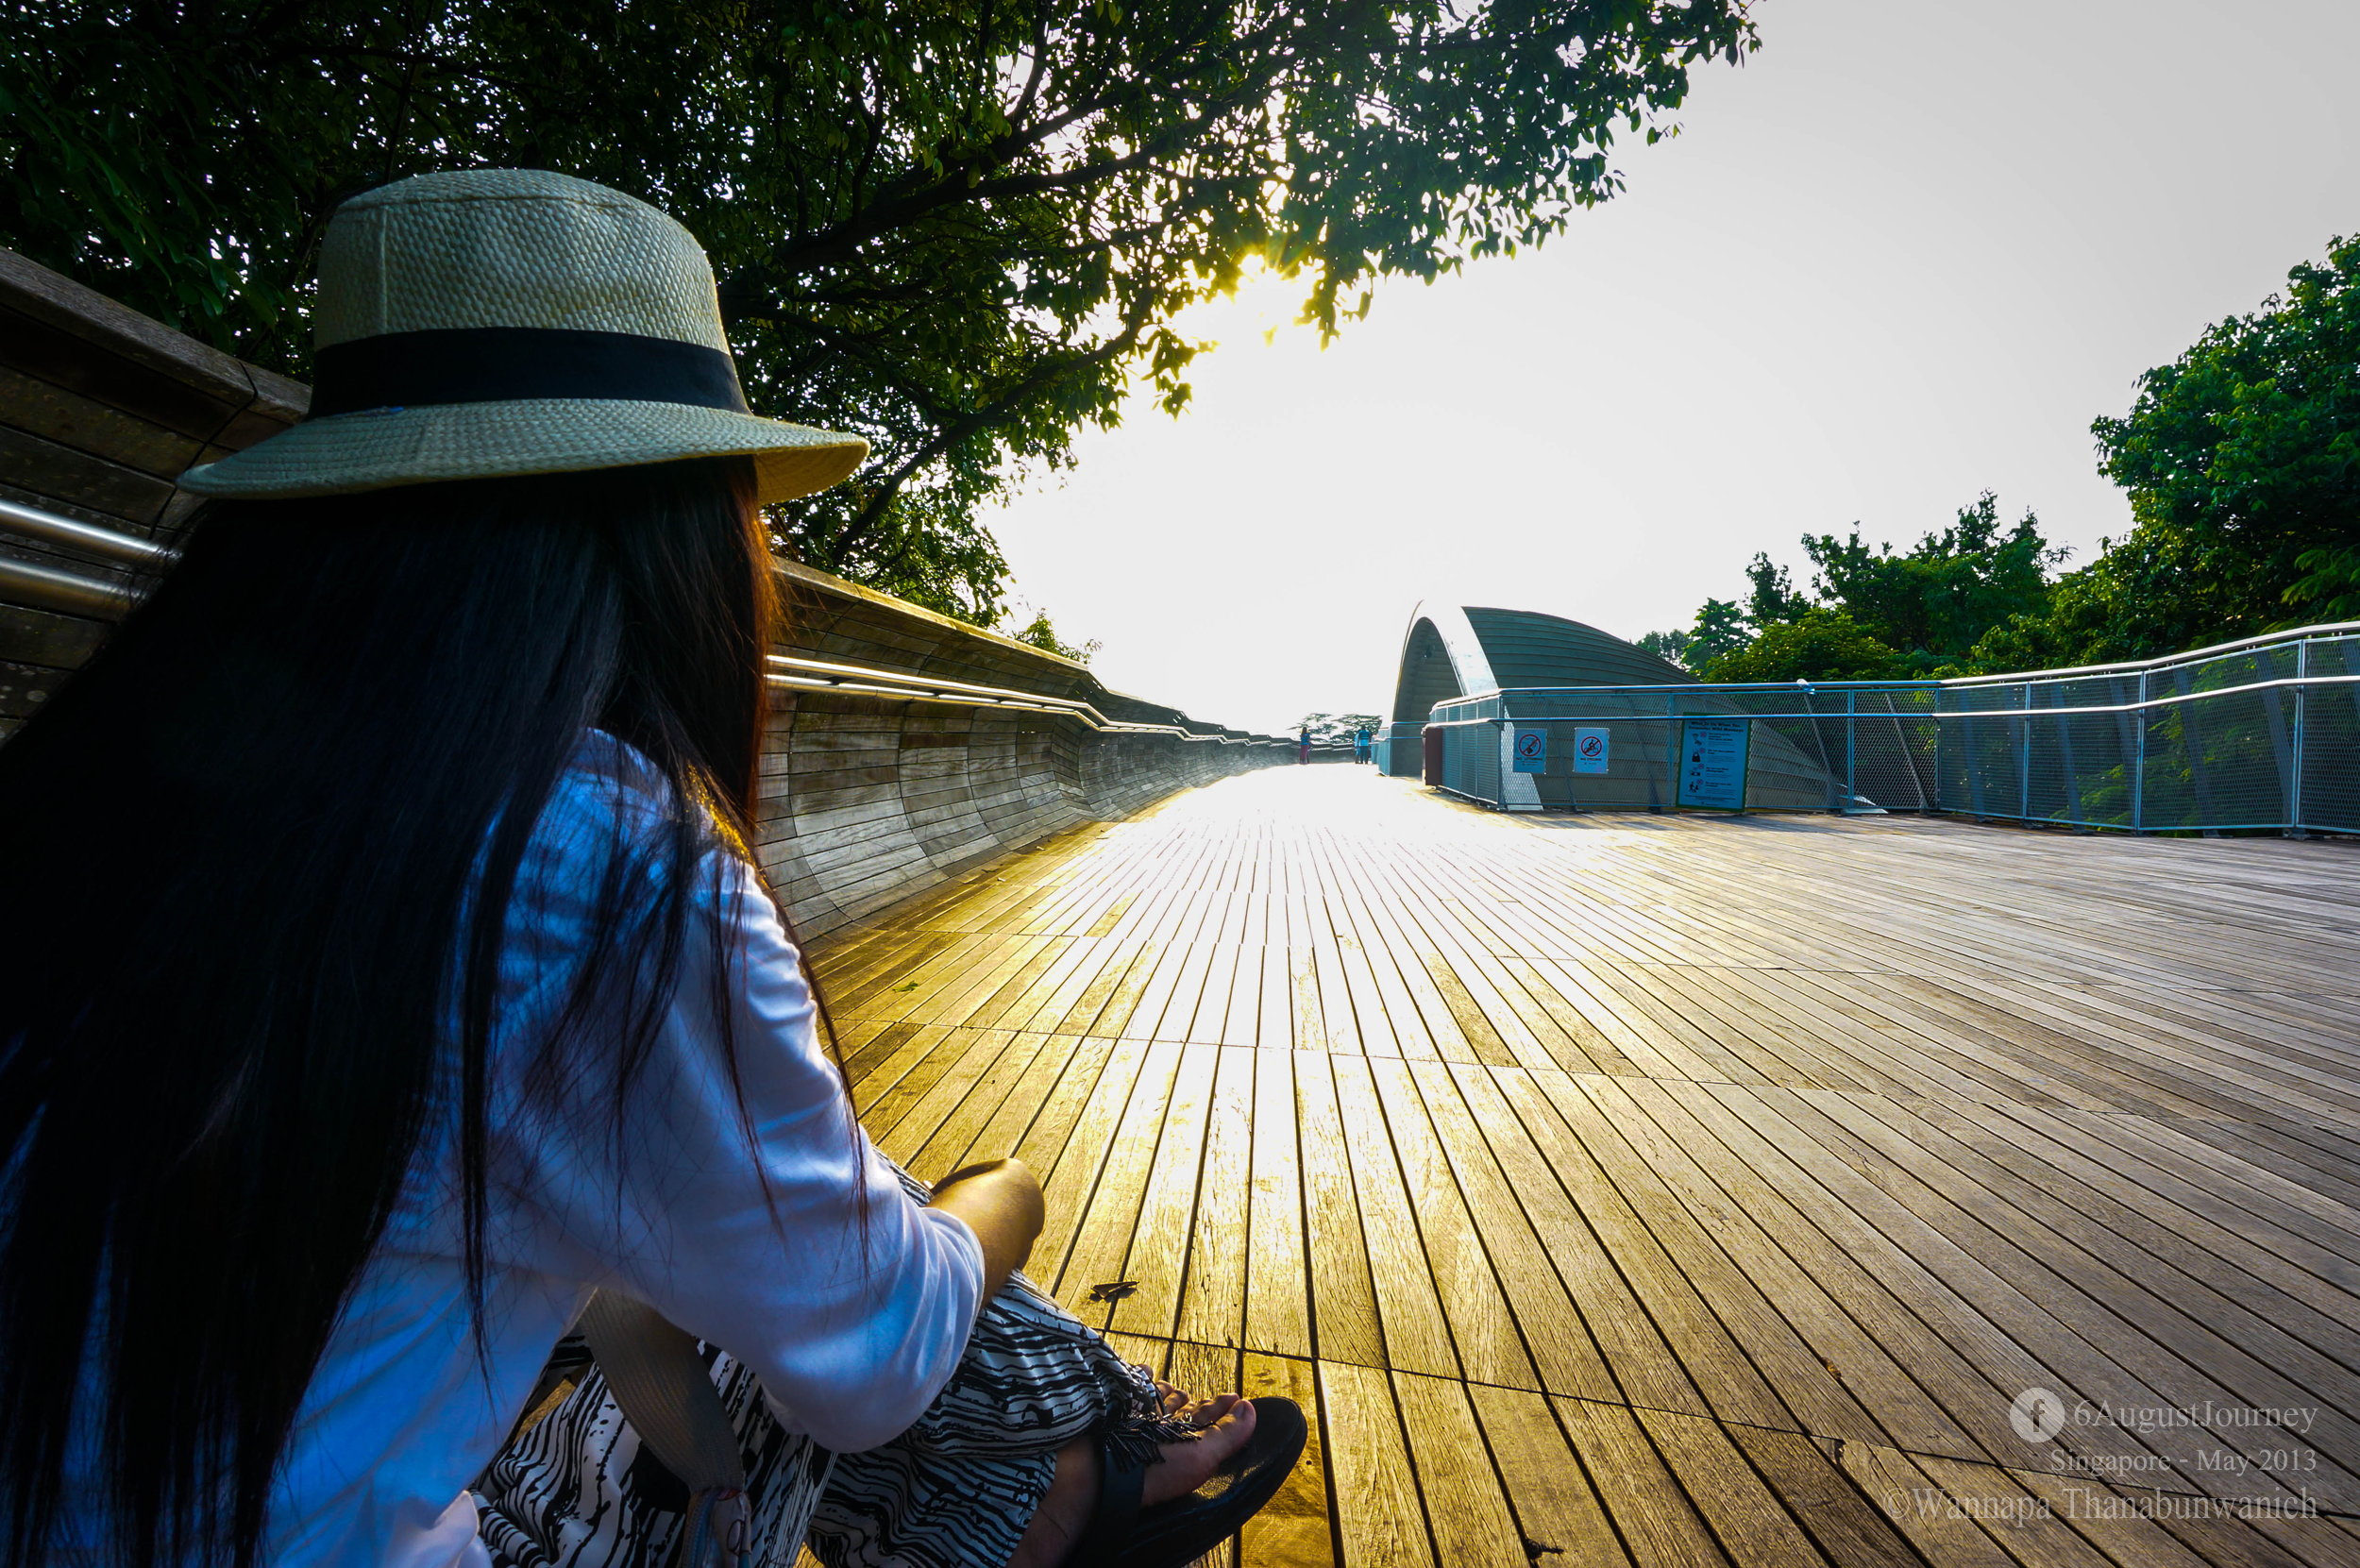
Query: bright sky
(1904, 255)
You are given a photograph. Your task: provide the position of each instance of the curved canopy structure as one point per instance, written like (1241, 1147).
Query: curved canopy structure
(1452, 651)
(1458, 650)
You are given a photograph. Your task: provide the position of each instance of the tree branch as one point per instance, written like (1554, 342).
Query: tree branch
(950, 432)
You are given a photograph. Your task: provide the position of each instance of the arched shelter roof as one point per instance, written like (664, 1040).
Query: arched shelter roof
(1461, 651)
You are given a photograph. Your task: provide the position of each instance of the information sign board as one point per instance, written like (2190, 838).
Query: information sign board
(1712, 763)
(1532, 750)
(1590, 750)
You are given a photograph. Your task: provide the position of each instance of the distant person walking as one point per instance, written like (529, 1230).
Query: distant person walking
(1303, 753)
(1360, 744)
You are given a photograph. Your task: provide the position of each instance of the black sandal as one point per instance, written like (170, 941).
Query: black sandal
(1120, 1534)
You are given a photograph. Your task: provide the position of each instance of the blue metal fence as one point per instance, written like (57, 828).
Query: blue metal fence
(2261, 733)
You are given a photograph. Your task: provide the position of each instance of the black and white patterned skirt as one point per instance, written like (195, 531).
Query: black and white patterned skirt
(575, 1489)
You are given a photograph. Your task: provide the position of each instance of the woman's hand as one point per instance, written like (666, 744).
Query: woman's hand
(1000, 1200)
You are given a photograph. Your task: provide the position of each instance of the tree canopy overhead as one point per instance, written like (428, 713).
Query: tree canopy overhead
(956, 229)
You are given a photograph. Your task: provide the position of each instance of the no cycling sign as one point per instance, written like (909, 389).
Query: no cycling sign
(1531, 749)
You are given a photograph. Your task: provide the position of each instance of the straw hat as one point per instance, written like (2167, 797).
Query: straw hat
(514, 321)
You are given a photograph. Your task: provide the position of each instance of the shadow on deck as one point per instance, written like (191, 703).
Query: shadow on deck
(1665, 1190)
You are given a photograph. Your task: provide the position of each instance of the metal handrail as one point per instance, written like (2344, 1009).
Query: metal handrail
(62, 588)
(2194, 655)
(1636, 717)
(817, 674)
(2294, 637)
(1729, 685)
(1960, 684)
(67, 592)
(31, 522)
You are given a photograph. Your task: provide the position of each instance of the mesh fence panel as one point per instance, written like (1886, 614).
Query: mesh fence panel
(2077, 750)
(2218, 756)
(2331, 737)
(1979, 758)
(1894, 737)
(1470, 761)
(2250, 737)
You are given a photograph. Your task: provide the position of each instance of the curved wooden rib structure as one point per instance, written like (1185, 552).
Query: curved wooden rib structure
(1455, 652)
(902, 746)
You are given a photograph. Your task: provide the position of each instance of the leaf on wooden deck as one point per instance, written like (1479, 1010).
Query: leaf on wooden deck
(1113, 1289)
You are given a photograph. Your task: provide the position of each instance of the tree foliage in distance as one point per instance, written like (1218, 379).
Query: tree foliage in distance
(958, 228)
(1821, 643)
(1771, 598)
(2242, 459)
(1038, 631)
(1879, 615)
(1720, 628)
(1934, 602)
(1723, 628)
(1336, 727)
(1667, 646)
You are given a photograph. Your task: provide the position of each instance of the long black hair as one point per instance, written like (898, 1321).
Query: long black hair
(250, 858)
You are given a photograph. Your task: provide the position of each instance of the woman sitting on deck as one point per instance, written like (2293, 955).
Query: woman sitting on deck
(387, 971)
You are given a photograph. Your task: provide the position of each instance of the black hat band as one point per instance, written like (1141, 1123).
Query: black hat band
(502, 365)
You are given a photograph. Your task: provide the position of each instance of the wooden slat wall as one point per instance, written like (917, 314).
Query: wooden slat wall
(829, 618)
(100, 410)
(867, 800)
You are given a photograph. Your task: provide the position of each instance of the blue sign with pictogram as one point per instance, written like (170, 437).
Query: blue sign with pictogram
(1712, 763)
(1532, 750)
(1590, 750)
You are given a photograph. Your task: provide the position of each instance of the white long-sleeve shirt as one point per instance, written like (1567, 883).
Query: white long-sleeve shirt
(851, 1342)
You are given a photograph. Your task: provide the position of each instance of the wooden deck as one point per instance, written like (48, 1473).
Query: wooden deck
(1681, 1192)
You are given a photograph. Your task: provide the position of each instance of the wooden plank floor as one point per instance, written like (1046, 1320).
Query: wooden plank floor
(1674, 1191)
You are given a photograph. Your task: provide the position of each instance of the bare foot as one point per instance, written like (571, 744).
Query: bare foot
(1226, 1423)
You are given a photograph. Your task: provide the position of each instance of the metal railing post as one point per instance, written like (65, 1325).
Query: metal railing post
(2139, 772)
(1971, 749)
(1940, 746)
(2294, 788)
(1671, 745)
(1851, 749)
(1819, 741)
(2024, 761)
